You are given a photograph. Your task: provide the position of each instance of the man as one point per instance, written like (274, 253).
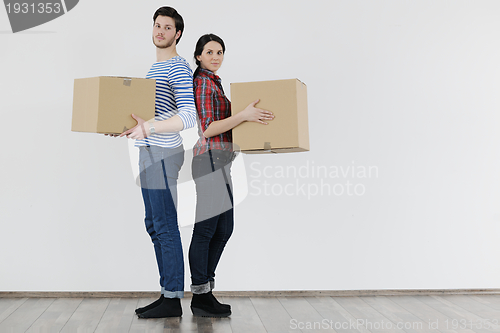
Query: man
(161, 156)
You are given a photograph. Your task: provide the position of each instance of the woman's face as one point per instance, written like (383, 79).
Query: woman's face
(211, 57)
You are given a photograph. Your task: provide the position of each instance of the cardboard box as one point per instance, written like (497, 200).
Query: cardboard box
(287, 132)
(104, 104)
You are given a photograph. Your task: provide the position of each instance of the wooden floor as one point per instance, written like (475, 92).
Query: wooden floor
(448, 313)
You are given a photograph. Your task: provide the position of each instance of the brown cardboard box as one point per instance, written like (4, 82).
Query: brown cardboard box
(287, 132)
(104, 104)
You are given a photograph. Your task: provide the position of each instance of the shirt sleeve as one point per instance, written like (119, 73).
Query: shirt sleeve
(181, 81)
(204, 102)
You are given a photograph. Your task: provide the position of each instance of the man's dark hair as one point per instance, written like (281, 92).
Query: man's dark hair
(170, 12)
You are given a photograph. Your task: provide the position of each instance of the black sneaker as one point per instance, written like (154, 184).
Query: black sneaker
(169, 307)
(150, 306)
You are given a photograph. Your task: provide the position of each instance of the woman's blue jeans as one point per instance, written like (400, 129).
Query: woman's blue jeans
(214, 217)
(159, 170)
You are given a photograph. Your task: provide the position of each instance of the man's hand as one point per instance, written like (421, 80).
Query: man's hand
(139, 131)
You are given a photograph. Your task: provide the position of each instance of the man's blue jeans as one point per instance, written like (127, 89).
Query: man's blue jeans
(159, 170)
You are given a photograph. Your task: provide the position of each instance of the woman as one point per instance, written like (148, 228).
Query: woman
(213, 154)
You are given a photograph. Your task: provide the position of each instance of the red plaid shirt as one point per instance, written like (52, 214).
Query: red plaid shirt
(212, 105)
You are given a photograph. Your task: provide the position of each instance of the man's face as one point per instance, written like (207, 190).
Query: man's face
(164, 34)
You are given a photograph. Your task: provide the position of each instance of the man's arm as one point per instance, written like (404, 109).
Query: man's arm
(142, 129)
(180, 79)
(170, 125)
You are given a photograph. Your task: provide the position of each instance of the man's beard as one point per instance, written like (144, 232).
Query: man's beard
(169, 43)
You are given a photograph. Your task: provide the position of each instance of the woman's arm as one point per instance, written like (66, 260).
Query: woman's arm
(250, 113)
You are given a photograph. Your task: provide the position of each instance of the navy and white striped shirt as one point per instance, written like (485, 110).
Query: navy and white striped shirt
(174, 96)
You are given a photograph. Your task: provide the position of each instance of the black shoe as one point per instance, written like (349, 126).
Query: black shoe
(169, 307)
(150, 306)
(226, 306)
(206, 305)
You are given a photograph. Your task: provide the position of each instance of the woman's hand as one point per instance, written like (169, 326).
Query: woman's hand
(139, 131)
(251, 113)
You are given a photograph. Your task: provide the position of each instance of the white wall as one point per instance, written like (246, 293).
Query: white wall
(409, 88)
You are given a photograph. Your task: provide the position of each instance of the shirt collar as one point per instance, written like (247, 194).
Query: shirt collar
(210, 74)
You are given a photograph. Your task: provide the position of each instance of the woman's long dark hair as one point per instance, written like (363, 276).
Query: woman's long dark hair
(200, 45)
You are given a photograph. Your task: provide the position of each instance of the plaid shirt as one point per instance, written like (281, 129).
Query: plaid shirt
(212, 105)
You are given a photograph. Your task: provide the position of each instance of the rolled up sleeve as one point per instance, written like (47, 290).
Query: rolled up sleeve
(204, 103)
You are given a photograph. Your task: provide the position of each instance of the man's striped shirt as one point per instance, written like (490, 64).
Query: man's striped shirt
(174, 96)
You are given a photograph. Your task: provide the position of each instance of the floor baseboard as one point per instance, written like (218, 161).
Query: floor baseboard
(267, 293)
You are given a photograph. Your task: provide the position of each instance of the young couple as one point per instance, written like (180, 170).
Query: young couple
(181, 102)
